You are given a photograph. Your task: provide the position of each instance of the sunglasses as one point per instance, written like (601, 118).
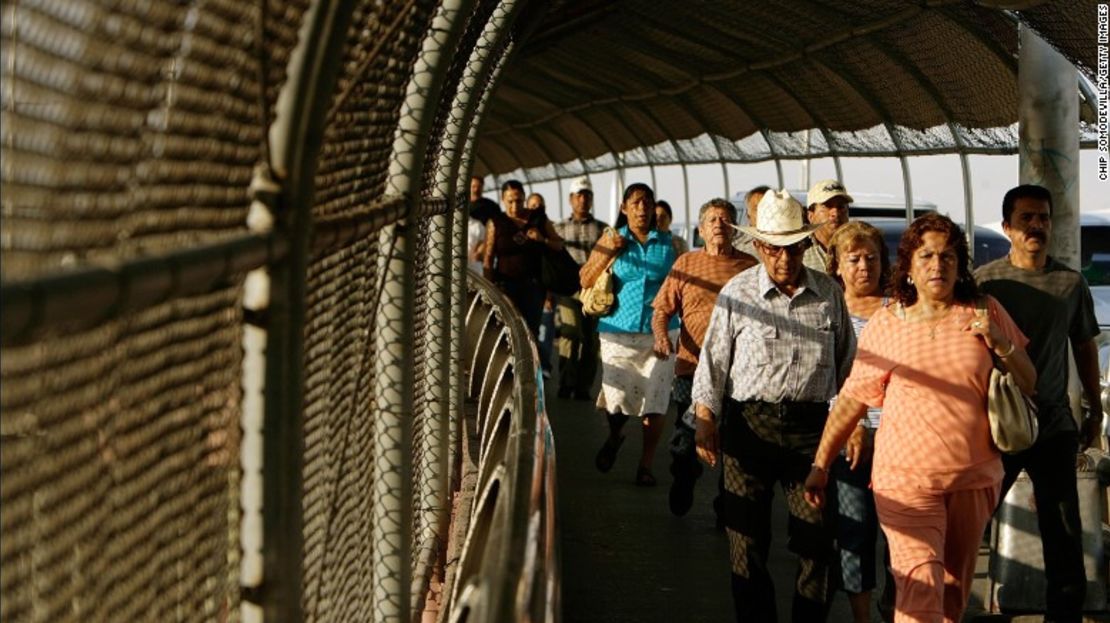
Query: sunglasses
(794, 250)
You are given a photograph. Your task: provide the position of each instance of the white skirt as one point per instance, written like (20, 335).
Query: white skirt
(633, 380)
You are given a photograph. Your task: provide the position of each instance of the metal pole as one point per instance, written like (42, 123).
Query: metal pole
(724, 176)
(686, 192)
(1048, 137)
(907, 188)
(562, 199)
(297, 134)
(969, 211)
(432, 508)
(392, 423)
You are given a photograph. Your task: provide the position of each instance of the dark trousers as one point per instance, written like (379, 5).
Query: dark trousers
(765, 443)
(579, 347)
(684, 455)
(1050, 464)
(528, 296)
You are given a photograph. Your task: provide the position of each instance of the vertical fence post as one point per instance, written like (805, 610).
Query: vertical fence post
(297, 134)
(422, 108)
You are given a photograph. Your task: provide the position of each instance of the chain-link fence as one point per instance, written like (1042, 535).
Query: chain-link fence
(235, 383)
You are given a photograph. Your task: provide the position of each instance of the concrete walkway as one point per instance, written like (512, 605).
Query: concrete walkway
(625, 556)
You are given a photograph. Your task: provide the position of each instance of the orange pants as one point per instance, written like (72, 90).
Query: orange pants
(934, 539)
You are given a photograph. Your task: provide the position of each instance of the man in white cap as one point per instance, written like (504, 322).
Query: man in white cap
(827, 203)
(778, 346)
(579, 346)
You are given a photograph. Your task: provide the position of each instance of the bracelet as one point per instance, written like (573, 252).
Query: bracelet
(1009, 352)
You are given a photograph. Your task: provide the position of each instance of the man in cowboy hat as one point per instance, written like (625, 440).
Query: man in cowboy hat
(778, 346)
(827, 206)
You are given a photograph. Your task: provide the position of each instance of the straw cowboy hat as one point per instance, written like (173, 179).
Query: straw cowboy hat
(778, 220)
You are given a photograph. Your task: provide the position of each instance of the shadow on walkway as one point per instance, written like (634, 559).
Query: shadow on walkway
(625, 556)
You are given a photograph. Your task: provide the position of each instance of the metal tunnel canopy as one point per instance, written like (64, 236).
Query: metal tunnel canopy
(597, 84)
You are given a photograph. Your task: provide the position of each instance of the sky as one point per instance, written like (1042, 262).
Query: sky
(936, 179)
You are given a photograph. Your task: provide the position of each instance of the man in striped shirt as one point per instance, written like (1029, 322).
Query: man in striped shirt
(578, 345)
(778, 345)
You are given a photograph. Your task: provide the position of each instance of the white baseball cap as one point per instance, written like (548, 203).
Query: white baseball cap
(581, 184)
(824, 190)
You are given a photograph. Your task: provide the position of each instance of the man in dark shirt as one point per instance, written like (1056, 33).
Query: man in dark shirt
(1052, 305)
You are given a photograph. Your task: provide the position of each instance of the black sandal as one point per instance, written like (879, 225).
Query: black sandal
(607, 455)
(644, 477)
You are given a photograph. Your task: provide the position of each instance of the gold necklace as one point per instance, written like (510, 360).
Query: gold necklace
(936, 323)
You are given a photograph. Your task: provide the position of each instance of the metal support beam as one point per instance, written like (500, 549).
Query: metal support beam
(297, 134)
(686, 194)
(422, 106)
(969, 212)
(1048, 137)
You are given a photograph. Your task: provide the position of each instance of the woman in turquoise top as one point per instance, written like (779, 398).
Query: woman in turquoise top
(636, 379)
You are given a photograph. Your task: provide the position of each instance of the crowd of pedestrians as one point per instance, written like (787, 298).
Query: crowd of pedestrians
(796, 355)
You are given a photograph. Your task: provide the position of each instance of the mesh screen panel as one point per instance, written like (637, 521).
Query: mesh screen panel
(129, 128)
(339, 446)
(119, 468)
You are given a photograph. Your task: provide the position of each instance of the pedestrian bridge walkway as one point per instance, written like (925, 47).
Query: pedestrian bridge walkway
(244, 374)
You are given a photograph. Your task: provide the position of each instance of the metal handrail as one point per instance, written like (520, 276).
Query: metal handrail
(508, 569)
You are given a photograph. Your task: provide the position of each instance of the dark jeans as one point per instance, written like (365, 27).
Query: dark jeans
(579, 348)
(852, 506)
(765, 443)
(528, 296)
(1050, 464)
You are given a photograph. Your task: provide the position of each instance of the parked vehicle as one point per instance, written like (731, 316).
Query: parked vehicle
(888, 213)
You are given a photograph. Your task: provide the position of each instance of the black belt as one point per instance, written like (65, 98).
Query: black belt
(786, 408)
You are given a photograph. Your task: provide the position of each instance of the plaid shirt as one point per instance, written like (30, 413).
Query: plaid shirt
(580, 236)
(764, 345)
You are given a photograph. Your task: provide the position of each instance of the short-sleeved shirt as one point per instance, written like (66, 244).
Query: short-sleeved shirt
(638, 273)
(579, 237)
(816, 257)
(931, 380)
(764, 345)
(691, 291)
(874, 415)
(1051, 306)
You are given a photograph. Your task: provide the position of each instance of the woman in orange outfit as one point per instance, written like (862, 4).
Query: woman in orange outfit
(926, 361)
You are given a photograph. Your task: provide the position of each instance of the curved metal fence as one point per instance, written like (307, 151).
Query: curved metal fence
(237, 342)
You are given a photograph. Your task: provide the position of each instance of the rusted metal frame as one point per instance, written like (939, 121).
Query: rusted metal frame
(297, 135)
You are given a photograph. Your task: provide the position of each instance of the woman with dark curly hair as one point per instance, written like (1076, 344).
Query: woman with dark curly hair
(926, 360)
